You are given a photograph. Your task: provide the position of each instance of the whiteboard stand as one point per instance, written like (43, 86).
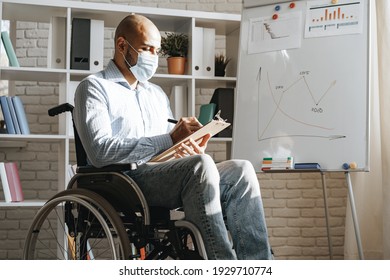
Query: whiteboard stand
(330, 244)
(354, 216)
(351, 201)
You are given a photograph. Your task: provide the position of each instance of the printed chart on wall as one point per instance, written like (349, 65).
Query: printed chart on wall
(303, 84)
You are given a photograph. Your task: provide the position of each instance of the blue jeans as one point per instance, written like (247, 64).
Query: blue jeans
(208, 193)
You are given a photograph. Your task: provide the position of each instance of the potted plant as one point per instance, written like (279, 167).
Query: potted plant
(175, 47)
(221, 62)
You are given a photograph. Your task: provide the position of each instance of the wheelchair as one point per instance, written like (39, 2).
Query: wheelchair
(104, 215)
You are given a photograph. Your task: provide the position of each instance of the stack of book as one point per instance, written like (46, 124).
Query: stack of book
(270, 163)
(14, 115)
(10, 181)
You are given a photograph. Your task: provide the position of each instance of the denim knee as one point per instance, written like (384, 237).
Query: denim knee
(205, 169)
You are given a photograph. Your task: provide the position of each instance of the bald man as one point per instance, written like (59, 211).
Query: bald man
(122, 118)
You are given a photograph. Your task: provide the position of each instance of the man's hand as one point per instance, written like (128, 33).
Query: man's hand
(184, 127)
(192, 147)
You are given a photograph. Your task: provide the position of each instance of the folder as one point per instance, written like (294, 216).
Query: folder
(178, 100)
(57, 43)
(197, 53)
(224, 100)
(96, 45)
(80, 44)
(208, 52)
(207, 112)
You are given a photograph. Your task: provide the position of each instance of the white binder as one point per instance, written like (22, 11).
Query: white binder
(57, 43)
(178, 101)
(208, 52)
(96, 45)
(197, 54)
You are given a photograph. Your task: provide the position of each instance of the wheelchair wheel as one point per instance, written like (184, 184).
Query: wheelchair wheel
(77, 224)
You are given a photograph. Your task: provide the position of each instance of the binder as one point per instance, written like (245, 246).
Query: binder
(80, 45)
(57, 43)
(178, 101)
(197, 54)
(208, 52)
(224, 100)
(96, 45)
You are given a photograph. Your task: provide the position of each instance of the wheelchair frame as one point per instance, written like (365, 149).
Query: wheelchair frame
(103, 214)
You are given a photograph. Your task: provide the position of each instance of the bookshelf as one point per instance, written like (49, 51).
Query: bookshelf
(167, 20)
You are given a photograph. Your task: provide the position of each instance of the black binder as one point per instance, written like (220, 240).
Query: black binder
(224, 99)
(80, 45)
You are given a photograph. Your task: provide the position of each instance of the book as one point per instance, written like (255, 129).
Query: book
(9, 124)
(20, 114)
(213, 127)
(4, 182)
(9, 49)
(14, 184)
(307, 165)
(13, 115)
(270, 163)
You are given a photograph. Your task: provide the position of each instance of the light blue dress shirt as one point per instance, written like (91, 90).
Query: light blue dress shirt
(117, 124)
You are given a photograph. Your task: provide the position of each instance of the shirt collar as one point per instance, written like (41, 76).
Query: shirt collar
(113, 74)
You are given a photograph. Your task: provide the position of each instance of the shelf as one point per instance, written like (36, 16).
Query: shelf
(32, 74)
(26, 203)
(221, 139)
(34, 137)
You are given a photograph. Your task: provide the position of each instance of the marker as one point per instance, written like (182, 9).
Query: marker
(172, 121)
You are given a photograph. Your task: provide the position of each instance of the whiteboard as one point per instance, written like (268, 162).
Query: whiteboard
(303, 84)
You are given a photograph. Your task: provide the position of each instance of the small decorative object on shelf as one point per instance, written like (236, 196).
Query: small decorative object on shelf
(175, 46)
(221, 62)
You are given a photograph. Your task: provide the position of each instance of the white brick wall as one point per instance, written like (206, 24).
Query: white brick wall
(293, 203)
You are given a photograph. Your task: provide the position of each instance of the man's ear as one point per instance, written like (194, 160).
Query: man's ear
(121, 44)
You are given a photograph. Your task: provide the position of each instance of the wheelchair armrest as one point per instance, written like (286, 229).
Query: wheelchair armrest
(108, 168)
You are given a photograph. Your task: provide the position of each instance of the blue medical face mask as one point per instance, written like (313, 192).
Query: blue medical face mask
(146, 65)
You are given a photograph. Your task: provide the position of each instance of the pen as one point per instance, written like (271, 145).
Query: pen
(172, 121)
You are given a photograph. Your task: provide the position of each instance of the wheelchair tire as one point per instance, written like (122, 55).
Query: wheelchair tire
(77, 224)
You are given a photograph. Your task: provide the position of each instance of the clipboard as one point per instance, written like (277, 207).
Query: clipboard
(212, 127)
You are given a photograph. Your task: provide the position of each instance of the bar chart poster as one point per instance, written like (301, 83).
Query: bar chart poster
(326, 19)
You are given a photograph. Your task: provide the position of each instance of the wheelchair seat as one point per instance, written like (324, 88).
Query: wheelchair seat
(103, 214)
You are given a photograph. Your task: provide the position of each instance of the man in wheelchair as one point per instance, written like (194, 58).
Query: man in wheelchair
(122, 118)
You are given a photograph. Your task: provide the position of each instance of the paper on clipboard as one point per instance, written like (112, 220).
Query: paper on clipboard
(213, 127)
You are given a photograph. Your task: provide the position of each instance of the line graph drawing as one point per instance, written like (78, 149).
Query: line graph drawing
(278, 93)
(268, 29)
